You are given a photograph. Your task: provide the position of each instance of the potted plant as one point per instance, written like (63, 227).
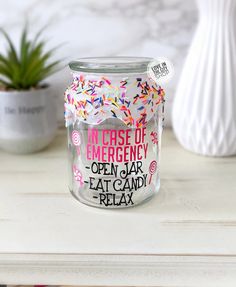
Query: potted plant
(27, 105)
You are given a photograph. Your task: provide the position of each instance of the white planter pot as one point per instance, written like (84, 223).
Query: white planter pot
(27, 120)
(204, 110)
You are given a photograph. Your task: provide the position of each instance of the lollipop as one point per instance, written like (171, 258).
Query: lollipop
(75, 136)
(152, 169)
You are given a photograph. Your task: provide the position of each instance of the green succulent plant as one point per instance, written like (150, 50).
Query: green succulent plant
(29, 66)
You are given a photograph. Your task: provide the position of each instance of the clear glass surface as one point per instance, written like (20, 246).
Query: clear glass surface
(112, 65)
(114, 115)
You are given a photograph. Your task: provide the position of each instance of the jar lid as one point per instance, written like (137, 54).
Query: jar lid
(111, 64)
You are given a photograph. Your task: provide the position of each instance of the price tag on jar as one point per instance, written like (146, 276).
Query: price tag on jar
(161, 70)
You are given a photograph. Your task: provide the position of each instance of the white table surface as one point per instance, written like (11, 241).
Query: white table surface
(184, 236)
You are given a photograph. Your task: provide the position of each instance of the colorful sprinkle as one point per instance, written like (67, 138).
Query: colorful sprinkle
(94, 101)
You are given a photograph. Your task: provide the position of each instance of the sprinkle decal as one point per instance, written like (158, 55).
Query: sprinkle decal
(77, 175)
(154, 137)
(134, 101)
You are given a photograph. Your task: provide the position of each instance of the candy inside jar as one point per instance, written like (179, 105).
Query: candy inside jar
(114, 115)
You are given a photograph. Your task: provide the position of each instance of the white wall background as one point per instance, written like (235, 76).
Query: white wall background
(106, 28)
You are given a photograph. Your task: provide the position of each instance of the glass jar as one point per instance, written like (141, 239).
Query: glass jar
(114, 115)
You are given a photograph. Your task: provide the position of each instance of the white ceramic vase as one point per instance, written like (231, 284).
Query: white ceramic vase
(27, 120)
(204, 110)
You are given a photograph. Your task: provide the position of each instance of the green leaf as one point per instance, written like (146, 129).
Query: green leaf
(5, 84)
(31, 66)
(24, 50)
(5, 72)
(12, 50)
